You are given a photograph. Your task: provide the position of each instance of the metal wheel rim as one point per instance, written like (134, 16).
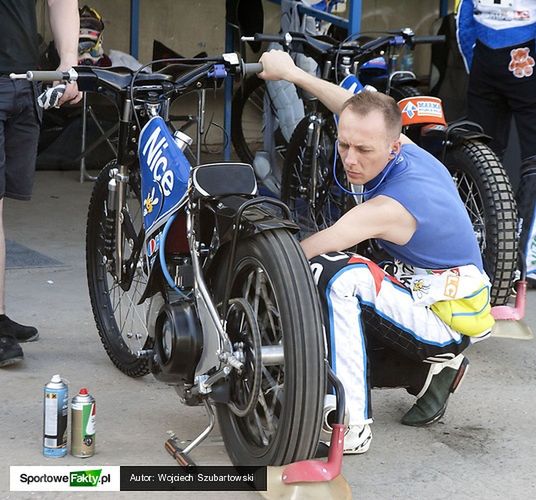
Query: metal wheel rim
(247, 383)
(259, 427)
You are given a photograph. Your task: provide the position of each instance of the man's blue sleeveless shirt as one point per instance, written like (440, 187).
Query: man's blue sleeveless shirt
(444, 236)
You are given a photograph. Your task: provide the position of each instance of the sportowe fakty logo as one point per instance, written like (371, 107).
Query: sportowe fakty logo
(64, 478)
(89, 478)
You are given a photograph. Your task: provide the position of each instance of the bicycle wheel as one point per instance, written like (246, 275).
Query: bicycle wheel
(283, 425)
(120, 321)
(487, 194)
(319, 211)
(247, 121)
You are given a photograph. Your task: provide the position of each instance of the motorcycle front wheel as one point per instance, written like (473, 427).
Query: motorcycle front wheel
(313, 142)
(120, 320)
(272, 275)
(247, 121)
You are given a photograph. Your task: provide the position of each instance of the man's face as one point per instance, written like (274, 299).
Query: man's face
(364, 145)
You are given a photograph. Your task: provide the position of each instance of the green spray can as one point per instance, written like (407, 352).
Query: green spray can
(83, 411)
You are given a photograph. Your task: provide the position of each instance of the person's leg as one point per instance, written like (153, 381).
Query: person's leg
(10, 350)
(353, 291)
(486, 103)
(21, 135)
(2, 260)
(521, 93)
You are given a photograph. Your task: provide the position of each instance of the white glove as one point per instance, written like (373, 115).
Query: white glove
(50, 98)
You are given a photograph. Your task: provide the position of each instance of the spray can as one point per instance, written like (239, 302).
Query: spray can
(83, 411)
(56, 405)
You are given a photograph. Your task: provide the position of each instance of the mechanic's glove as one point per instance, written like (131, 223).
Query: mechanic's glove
(50, 98)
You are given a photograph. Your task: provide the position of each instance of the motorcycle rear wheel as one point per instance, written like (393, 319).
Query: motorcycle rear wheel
(273, 276)
(487, 194)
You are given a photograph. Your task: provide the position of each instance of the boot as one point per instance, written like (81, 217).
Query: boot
(443, 379)
(20, 333)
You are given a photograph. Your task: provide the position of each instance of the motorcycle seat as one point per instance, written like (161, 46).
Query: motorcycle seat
(214, 180)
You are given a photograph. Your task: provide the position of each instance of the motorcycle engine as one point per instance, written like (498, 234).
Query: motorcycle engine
(178, 343)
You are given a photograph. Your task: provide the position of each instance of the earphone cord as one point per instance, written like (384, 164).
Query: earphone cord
(386, 170)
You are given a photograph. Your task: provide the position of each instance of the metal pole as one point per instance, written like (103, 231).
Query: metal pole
(443, 8)
(354, 17)
(227, 108)
(134, 27)
(83, 146)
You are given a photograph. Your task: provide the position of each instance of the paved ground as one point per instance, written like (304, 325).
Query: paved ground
(483, 449)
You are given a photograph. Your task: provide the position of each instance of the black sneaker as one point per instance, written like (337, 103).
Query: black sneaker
(20, 333)
(443, 380)
(10, 351)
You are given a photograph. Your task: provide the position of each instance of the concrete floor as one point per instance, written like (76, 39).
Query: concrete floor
(484, 448)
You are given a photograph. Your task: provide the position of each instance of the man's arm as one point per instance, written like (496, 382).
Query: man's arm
(381, 217)
(278, 65)
(65, 25)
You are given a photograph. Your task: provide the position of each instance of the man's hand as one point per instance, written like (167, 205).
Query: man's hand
(71, 95)
(278, 65)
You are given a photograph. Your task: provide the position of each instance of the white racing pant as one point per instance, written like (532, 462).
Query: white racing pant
(362, 304)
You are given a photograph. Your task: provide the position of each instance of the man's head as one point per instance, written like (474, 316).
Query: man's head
(369, 135)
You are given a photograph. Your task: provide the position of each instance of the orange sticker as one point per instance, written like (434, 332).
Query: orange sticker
(422, 109)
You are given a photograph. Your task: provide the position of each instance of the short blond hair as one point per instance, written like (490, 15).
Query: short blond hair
(365, 102)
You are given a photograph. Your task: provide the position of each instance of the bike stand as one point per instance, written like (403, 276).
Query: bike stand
(508, 319)
(182, 455)
(314, 479)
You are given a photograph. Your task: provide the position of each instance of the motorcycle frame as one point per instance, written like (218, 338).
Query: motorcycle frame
(217, 355)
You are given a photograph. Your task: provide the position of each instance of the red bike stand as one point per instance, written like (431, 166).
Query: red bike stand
(318, 470)
(508, 319)
(312, 479)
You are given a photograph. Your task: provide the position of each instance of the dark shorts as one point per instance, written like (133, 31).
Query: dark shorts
(20, 121)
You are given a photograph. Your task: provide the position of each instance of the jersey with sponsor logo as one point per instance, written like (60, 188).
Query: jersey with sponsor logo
(444, 237)
(495, 23)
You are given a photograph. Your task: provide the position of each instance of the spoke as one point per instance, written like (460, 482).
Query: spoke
(247, 287)
(261, 431)
(268, 416)
(258, 285)
(134, 308)
(269, 307)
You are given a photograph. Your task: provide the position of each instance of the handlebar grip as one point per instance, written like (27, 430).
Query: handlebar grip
(47, 76)
(429, 39)
(259, 37)
(250, 68)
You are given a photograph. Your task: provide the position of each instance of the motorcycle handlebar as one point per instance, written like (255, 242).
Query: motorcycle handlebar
(117, 81)
(44, 76)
